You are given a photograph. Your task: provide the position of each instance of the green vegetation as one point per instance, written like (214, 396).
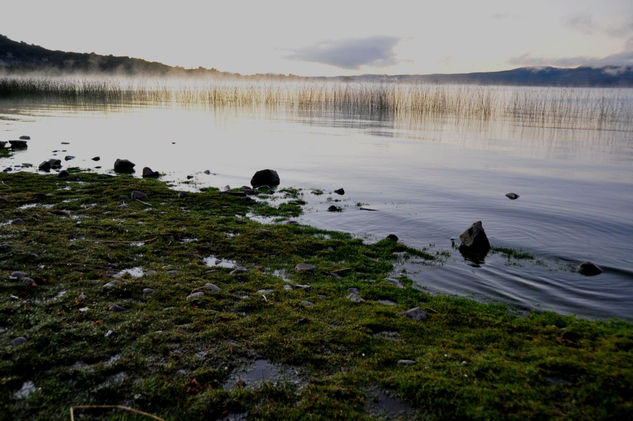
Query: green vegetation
(513, 254)
(177, 357)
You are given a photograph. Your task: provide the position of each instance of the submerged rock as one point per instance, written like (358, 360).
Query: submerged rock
(265, 177)
(392, 237)
(18, 144)
(474, 241)
(339, 191)
(334, 208)
(24, 137)
(96, 158)
(149, 173)
(69, 157)
(512, 196)
(124, 166)
(589, 269)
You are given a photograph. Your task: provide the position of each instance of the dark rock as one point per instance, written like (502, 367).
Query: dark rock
(392, 237)
(189, 177)
(248, 191)
(2, 144)
(207, 172)
(148, 291)
(474, 242)
(512, 196)
(138, 195)
(44, 166)
(368, 209)
(304, 267)
(18, 144)
(416, 313)
(25, 137)
(17, 275)
(65, 143)
(339, 191)
(306, 303)
(334, 208)
(589, 269)
(387, 302)
(8, 169)
(55, 163)
(182, 195)
(96, 158)
(148, 173)
(117, 308)
(69, 157)
(124, 166)
(265, 178)
(17, 221)
(28, 282)
(63, 174)
(18, 341)
(5, 248)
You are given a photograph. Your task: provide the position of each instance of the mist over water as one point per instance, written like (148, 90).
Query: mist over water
(428, 174)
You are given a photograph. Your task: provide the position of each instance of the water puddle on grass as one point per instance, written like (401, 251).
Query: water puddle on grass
(262, 371)
(213, 261)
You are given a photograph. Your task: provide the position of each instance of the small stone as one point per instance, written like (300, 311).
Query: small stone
(207, 172)
(416, 313)
(195, 295)
(117, 308)
(69, 157)
(303, 286)
(306, 303)
(238, 270)
(339, 191)
(27, 389)
(334, 208)
(17, 275)
(25, 137)
(589, 269)
(124, 166)
(353, 290)
(392, 237)
(287, 287)
(474, 241)
(394, 282)
(28, 282)
(63, 174)
(150, 272)
(355, 298)
(387, 302)
(304, 267)
(18, 144)
(148, 291)
(212, 287)
(189, 177)
(138, 195)
(173, 272)
(265, 291)
(65, 143)
(18, 341)
(44, 166)
(17, 221)
(96, 158)
(512, 196)
(407, 362)
(111, 284)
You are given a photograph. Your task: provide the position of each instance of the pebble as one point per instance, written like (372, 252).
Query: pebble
(407, 362)
(96, 158)
(17, 275)
(138, 195)
(117, 308)
(306, 303)
(387, 302)
(173, 272)
(68, 157)
(416, 313)
(18, 341)
(303, 286)
(355, 298)
(353, 290)
(304, 267)
(394, 282)
(264, 291)
(148, 291)
(339, 191)
(17, 221)
(212, 287)
(195, 295)
(334, 208)
(512, 196)
(28, 282)
(112, 284)
(287, 287)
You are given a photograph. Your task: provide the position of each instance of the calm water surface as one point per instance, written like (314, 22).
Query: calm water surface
(428, 179)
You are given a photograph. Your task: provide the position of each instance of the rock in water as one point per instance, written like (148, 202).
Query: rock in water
(18, 144)
(124, 166)
(589, 269)
(474, 241)
(148, 173)
(96, 158)
(44, 166)
(25, 137)
(265, 178)
(512, 196)
(55, 163)
(392, 237)
(339, 191)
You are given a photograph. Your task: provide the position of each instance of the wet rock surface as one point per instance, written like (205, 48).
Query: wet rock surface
(265, 177)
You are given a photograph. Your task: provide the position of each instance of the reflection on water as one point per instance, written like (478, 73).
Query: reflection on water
(428, 178)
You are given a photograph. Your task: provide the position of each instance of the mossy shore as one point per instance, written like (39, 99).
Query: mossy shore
(85, 332)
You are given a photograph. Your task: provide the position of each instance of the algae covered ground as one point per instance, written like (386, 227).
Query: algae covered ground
(180, 305)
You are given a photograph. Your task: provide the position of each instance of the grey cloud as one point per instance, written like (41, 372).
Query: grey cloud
(351, 53)
(582, 22)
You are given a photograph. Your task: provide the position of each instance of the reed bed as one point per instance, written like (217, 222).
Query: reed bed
(568, 107)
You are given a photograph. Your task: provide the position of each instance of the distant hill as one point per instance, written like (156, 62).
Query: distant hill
(20, 57)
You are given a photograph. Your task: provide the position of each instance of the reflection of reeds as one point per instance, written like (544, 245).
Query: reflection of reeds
(570, 107)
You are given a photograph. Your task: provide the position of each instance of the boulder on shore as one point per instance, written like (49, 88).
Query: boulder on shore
(18, 144)
(149, 173)
(124, 166)
(474, 242)
(266, 177)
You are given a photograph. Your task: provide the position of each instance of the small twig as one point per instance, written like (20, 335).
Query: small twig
(145, 203)
(431, 310)
(124, 408)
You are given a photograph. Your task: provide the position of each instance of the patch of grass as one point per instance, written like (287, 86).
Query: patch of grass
(172, 356)
(513, 254)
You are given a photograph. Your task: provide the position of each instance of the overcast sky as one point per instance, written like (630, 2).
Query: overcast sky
(324, 37)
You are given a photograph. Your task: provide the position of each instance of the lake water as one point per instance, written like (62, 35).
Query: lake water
(428, 180)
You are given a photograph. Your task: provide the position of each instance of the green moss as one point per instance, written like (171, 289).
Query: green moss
(513, 254)
(172, 357)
